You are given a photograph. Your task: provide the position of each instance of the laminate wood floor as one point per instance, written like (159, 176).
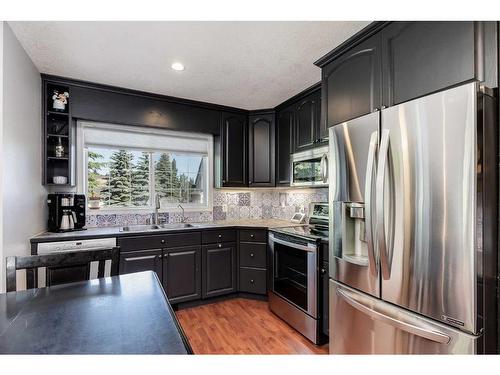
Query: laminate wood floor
(242, 326)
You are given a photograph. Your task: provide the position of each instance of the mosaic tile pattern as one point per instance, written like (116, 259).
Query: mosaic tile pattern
(255, 204)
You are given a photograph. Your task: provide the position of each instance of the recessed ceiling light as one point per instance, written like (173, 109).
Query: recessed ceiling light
(177, 66)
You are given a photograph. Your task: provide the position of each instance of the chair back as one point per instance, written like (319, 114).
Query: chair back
(67, 259)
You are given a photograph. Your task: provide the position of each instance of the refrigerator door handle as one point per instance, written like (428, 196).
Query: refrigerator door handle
(324, 168)
(371, 165)
(380, 208)
(400, 324)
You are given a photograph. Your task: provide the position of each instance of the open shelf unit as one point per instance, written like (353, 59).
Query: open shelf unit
(58, 129)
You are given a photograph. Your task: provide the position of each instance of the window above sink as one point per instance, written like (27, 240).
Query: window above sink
(124, 167)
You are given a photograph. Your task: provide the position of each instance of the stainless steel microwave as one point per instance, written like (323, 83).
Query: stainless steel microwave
(310, 167)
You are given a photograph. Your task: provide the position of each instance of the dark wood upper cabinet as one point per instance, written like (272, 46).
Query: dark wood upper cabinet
(306, 123)
(284, 144)
(182, 273)
(261, 152)
(219, 269)
(423, 57)
(234, 149)
(352, 83)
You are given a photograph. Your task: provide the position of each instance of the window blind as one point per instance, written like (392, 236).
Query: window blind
(116, 136)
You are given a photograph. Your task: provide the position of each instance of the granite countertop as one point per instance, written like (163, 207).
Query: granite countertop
(115, 231)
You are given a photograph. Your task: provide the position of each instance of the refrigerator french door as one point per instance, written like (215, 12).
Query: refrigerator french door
(413, 192)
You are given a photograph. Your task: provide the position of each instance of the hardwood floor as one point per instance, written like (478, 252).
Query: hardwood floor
(242, 326)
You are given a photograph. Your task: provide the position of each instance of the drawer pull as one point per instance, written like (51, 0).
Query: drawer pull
(162, 241)
(220, 235)
(220, 245)
(252, 282)
(251, 236)
(251, 255)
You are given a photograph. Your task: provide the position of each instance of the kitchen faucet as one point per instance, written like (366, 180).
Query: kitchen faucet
(184, 218)
(157, 207)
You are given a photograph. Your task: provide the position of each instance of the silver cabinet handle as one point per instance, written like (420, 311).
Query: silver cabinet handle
(380, 209)
(393, 321)
(141, 258)
(371, 165)
(251, 255)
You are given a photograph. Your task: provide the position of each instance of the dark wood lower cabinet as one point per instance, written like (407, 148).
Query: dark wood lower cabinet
(182, 273)
(218, 269)
(145, 260)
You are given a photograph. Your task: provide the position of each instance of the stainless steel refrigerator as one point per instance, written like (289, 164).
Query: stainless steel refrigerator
(413, 195)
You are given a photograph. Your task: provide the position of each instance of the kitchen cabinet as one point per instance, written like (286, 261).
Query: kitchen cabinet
(182, 273)
(423, 57)
(218, 269)
(261, 157)
(233, 150)
(252, 261)
(284, 144)
(142, 260)
(307, 122)
(352, 83)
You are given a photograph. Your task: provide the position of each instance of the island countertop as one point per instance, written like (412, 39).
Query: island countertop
(126, 314)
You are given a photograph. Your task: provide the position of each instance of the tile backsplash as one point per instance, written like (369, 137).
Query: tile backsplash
(227, 205)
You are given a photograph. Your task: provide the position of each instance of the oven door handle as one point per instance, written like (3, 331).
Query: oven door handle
(310, 248)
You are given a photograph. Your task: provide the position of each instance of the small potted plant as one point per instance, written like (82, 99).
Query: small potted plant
(94, 201)
(60, 100)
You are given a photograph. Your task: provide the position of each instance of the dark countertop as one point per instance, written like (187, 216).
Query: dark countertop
(126, 314)
(115, 231)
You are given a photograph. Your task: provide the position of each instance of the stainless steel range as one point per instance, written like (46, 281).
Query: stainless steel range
(295, 292)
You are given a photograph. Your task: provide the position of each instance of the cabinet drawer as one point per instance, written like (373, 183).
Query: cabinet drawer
(141, 243)
(253, 254)
(253, 235)
(182, 239)
(252, 280)
(223, 235)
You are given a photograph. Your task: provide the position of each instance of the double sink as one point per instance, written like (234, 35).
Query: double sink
(145, 228)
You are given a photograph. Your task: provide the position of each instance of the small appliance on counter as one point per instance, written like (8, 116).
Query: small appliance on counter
(66, 212)
(296, 294)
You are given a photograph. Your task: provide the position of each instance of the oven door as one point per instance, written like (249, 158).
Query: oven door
(294, 273)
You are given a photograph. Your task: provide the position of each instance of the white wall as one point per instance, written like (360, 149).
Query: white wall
(23, 196)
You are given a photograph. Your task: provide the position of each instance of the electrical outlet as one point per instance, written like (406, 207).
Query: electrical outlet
(224, 208)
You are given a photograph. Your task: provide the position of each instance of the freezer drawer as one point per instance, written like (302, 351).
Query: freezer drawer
(361, 324)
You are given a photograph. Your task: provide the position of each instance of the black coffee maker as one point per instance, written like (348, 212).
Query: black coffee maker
(66, 212)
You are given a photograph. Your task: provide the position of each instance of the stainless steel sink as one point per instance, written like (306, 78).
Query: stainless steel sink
(176, 226)
(139, 228)
(145, 228)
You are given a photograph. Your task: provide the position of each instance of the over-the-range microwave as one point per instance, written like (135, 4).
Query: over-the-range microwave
(309, 168)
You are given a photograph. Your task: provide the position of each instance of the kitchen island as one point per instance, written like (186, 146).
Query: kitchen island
(126, 314)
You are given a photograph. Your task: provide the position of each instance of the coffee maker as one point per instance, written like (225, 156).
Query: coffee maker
(66, 212)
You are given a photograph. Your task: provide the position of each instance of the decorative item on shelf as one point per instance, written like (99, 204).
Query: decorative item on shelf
(59, 148)
(60, 180)
(60, 100)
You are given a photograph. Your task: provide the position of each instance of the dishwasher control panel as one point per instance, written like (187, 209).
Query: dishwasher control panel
(65, 246)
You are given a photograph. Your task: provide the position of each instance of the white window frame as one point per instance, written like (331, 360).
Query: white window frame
(82, 171)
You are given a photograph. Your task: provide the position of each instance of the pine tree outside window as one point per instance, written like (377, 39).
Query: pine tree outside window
(125, 175)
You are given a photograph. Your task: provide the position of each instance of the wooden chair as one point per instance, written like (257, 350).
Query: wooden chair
(68, 259)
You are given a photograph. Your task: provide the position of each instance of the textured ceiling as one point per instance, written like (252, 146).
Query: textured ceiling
(248, 65)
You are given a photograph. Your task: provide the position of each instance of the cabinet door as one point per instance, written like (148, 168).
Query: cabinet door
(182, 274)
(219, 269)
(137, 261)
(352, 83)
(234, 150)
(261, 156)
(423, 57)
(284, 145)
(306, 122)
